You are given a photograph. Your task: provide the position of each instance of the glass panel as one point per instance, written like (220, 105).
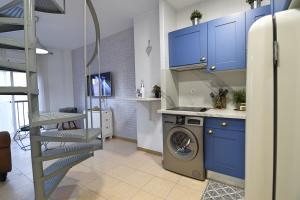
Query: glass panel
(5, 78)
(6, 117)
(181, 143)
(19, 79)
(21, 111)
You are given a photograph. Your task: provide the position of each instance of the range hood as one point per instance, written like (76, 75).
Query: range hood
(202, 66)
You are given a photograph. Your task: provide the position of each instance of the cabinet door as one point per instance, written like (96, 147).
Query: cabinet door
(227, 43)
(188, 46)
(253, 15)
(225, 152)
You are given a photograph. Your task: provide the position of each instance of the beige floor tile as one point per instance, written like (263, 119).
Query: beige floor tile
(82, 174)
(138, 179)
(17, 186)
(192, 183)
(180, 192)
(102, 184)
(121, 172)
(159, 171)
(141, 195)
(121, 191)
(73, 192)
(159, 187)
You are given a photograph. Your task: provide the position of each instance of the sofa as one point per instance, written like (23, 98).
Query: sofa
(5, 155)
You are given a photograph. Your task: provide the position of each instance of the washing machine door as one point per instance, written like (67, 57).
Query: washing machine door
(182, 143)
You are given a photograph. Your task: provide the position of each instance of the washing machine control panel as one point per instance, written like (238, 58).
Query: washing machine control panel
(183, 120)
(180, 120)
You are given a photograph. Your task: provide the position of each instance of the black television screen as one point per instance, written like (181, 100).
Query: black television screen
(106, 83)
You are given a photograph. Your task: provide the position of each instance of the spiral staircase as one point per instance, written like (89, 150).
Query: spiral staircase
(19, 15)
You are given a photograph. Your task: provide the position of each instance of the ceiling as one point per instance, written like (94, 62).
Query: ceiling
(66, 31)
(179, 4)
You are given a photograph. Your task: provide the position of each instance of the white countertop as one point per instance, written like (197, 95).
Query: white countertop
(226, 113)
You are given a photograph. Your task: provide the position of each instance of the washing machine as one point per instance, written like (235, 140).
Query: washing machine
(183, 145)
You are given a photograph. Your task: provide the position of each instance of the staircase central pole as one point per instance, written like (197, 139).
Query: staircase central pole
(33, 103)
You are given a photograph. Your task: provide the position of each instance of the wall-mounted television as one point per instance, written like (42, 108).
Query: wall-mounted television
(106, 83)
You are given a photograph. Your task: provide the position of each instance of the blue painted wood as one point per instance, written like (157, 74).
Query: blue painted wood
(225, 123)
(253, 15)
(227, 42)
(187, 46)
(225, 152)
(280, 5)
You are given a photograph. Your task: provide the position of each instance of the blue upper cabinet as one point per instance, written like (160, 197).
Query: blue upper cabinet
(253, 15)
(227, 43)
(188, 46)
(280, 5)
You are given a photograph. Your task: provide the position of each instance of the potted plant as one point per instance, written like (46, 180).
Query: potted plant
(195, 17)
(239, 99)
(156, 91)
(254, 3)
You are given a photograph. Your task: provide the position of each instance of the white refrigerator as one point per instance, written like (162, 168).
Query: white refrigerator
(273, 108)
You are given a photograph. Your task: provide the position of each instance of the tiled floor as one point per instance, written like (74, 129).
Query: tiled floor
(119, 172)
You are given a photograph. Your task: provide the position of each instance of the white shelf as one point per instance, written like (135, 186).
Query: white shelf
(141, 99)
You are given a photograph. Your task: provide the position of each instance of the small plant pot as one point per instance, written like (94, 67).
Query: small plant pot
(256, 4)
(157, 95)
(241, 107)
(196, 21)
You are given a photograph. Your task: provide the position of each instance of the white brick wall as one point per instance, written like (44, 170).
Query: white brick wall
(117, 56)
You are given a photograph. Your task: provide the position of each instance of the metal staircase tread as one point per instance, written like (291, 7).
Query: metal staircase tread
(15, 8)
(51, 184)
(8, 43)
(64, 164)
(12, 66)
(9, 28)
(54, 118)
(69, 150)
(8, 24)
(13, 91)
(78, 135)
(12, 21)
(48, 6)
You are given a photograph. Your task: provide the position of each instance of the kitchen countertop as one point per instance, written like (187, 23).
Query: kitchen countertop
(226, 113)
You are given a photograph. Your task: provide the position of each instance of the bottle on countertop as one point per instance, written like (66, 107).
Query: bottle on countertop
(142, 91)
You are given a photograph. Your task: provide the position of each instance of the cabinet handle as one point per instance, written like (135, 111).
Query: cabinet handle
(203, 59)
(224, 124)
(212, 68)
(210, 132)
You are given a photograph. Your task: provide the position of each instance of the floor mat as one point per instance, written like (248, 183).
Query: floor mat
(220, 191)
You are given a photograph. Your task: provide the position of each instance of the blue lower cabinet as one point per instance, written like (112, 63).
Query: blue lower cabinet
(225, 151)
(227, 43)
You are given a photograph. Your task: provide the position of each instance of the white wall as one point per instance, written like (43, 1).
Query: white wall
(212, 9)
(55, 80)
(169, 86)
(195, 86)
(147, 68)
